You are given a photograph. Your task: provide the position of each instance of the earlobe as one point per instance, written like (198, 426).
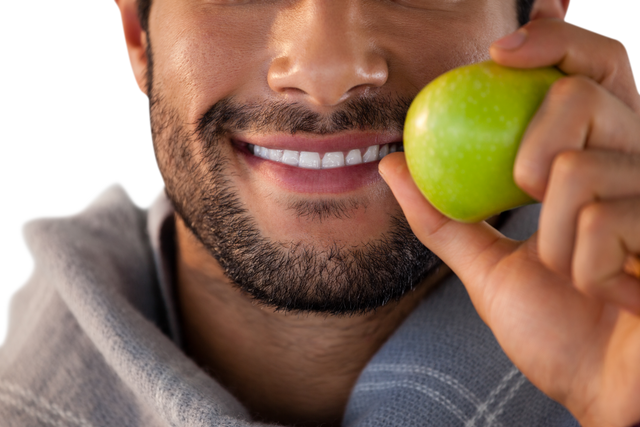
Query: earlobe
(136, 39)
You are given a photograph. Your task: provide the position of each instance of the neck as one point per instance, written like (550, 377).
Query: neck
(286, 368)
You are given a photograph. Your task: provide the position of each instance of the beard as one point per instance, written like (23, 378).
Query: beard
(332, 278)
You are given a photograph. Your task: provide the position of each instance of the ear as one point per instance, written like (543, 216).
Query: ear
(136, 40)
(549, 9)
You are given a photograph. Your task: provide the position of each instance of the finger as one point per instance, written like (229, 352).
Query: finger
(577, 113)
(608, 233)
(575, 51)
(470, 250)
(579, 178)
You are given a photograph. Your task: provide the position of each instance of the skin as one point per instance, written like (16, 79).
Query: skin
(564, 304)
(582, 340)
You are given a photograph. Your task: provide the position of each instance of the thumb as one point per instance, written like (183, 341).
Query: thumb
(470, 250)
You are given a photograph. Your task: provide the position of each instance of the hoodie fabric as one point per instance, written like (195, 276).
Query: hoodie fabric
(94, 340)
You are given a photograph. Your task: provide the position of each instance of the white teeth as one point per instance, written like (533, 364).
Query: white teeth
(309, 160)
(333, 160)
(384, 150)
(261, 152)
(371, 155)
(312, 160)
(291, 157)
(353, 158)
(276, 155)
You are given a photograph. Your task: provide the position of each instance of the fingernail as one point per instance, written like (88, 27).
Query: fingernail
(381, 173)
(512, 41)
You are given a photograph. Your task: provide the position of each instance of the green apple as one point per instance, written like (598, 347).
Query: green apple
(462, 135)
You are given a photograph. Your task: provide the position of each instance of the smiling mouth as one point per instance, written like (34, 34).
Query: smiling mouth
(329, 160)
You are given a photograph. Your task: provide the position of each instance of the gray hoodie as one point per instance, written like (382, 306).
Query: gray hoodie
(94, 341)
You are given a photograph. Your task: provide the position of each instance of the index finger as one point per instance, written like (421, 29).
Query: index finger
(575, 51)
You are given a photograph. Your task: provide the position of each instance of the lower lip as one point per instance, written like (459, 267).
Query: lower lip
(301, 180)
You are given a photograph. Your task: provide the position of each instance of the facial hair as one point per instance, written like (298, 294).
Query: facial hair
(289, 276)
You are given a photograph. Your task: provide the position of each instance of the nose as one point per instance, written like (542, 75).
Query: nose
(325, 53)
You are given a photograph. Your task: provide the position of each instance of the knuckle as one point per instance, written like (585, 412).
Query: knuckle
(578, 89)
(617, 48)
(585, 284)
(584, 279)
(618, 65)
(561, 88)
(568, 167)
(522, 178)
(525, 175)
(594, 219)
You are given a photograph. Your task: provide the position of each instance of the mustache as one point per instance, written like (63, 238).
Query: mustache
(377, 113)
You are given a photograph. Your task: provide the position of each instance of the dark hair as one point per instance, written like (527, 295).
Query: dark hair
(523, 9)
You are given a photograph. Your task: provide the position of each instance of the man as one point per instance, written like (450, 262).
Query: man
(289, 274)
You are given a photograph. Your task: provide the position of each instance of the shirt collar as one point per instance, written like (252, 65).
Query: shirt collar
(161, 230)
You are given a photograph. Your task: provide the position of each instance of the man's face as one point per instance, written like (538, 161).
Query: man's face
(302, 229)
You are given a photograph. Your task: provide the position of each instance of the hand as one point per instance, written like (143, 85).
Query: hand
(563, 305)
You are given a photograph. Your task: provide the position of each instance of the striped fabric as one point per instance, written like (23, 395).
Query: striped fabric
(93, 342)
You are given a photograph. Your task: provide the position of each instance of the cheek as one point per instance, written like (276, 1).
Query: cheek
(198, 64)
(434, 55)
(426, 47)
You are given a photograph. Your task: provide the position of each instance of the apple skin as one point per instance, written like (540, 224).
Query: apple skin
(462, 134)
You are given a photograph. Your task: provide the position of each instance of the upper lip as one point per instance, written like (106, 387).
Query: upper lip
(320, 143)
